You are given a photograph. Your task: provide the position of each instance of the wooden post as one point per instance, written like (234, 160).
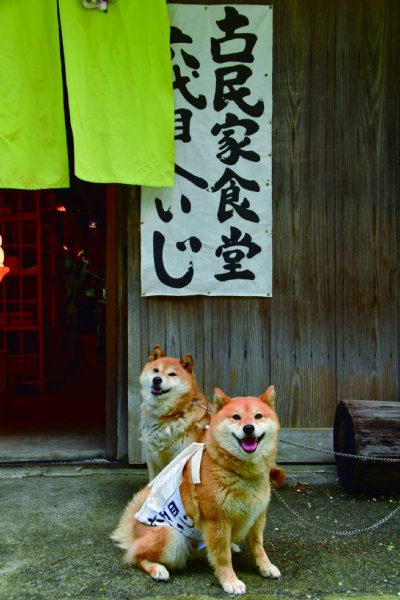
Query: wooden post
(370, 429)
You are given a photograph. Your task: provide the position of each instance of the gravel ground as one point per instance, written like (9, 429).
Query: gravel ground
(55, 544)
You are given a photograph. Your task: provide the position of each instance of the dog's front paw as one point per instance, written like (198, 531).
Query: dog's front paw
(235, 548)
(271, 571)
(234, 587)
(158, 572)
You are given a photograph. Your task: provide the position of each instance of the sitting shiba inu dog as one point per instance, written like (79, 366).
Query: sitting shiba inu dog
(222, 499)
(174, 411)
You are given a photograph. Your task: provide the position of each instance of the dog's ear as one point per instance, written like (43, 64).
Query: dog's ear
(220, 398)
(269, 396)
(187, 362)
(156, 353)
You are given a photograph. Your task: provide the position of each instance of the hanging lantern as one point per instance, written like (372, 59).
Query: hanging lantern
(3, 270)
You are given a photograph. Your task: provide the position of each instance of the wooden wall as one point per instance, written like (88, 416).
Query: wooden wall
(331, 329)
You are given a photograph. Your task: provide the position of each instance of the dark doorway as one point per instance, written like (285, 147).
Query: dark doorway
(53, 391)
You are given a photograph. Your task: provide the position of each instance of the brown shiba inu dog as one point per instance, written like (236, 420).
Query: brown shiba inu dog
(225, 503)
(174, 411)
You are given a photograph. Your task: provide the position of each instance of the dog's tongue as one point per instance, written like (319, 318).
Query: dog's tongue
(249, 444)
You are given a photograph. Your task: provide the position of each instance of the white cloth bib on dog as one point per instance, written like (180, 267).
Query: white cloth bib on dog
(164, 504)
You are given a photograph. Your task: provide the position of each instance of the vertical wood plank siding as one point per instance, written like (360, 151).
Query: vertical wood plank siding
(331, 329)
(367, 199)
(303, 303)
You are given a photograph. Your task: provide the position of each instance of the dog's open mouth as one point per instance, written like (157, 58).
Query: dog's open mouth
(250, 444)
(157, 391)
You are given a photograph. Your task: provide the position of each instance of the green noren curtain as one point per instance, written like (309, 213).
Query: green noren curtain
(120, 95)
(33, 146)
(119, 81)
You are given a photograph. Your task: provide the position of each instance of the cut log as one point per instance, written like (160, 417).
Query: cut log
(370, 429)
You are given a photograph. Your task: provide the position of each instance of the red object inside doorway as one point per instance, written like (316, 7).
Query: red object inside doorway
(52, 310)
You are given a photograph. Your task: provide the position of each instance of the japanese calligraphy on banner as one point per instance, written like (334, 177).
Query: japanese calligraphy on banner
(211, 234)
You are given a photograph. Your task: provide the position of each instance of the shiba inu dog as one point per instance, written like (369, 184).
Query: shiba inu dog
(222, 499)
(174, 411)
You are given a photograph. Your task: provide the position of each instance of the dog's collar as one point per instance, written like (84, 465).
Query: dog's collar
(206, 407)
(209, 409)
(172, 415)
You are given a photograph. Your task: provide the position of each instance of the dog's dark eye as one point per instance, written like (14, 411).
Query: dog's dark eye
(156, 370)
(258, 416)
(236, 417)
(172, 374)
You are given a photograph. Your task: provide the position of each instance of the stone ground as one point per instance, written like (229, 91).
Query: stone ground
(56, 521)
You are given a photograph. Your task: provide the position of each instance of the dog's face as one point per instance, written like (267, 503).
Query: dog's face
(164, 380)
(246, 427)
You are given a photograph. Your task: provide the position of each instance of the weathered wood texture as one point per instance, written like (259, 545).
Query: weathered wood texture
(306, 446)
(367, 199)
(368, 429)
(331, 329)
(303, 303)
(116, 328)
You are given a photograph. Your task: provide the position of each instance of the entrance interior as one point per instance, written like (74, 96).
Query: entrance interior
(53, 324)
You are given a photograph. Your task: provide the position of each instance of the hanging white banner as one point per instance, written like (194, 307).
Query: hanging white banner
(211, 234)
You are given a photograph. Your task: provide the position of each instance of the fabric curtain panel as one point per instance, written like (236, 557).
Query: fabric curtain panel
(33, 144)
(119, 82)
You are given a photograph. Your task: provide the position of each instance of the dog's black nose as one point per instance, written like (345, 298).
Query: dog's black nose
(157, 380)
(248, 429)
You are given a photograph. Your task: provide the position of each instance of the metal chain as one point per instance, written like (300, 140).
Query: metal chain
(343, 454)
(341, 532)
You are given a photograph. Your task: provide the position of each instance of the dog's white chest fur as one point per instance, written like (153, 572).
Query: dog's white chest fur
(160, 434)
(243, 507)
